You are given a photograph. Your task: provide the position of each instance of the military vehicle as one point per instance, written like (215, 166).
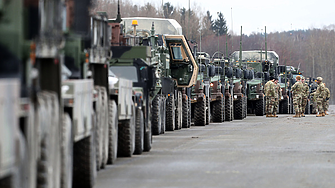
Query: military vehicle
(227, 82)
(176, 71)
(200, 103)
(217, 89)
(64, 93)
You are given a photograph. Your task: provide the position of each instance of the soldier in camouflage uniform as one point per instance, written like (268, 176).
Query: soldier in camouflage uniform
(319, 97)
(327, 94)
(297, 96)
(269, 90)
(278, 96)
(305, 93)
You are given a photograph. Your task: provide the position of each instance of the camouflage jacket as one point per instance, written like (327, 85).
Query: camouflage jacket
(278, 93)
(270, 89)
(297, 88)
(305, 90)
(320, 91)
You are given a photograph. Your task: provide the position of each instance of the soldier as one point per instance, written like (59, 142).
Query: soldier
(278, 96)
(269, 90)
(297, 96)
(319, 97)
(327, 94)
(305, 93)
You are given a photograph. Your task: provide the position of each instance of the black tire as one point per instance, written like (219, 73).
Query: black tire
(228, 109)
(156, 115)
(113, 132)
(218, 111)
(170, 113)
(147, 138)
(200, 112)
(139, 132)
(163, 114)
(238, 109)
(259, 104)
(208, 110)
(307, 108)
(67, 152)
(245, 107)
(98, 130)
(84, 169)
(105, 127)
(189, 113)
(179, 112)
(284, 107)
(11, 181)
(126, 138)
(185, 112)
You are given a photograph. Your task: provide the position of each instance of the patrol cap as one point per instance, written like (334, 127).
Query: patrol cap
(303, 78)
(319, 79)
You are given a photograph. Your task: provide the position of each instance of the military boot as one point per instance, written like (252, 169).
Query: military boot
(267, 115)
(323, 114)
(302, 115)
(296, 115)
(319, 115)
(275, 115)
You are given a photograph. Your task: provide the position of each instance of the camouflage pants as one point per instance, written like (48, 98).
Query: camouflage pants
(304, 103)
(297, 102)
(270, 102)
(320, 102)
(275, 105)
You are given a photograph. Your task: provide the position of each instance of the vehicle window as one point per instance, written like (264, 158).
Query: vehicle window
(128, 72)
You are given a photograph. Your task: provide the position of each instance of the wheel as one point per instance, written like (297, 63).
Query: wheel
(189, 113)
(84, 163)
(163, 114)
(218, 111)
(179, 109)
(208, 110)
(147, 135)
(12, 181)
(228, 109)
(185, 111)
(259, 104)
(156, 115)
(170, 113)
(126, 137)
(200, 112)
(284, 108)
(49, 161)
(113, 132)
(98, 130)
(139, 132)
(245, 102)
(67, 152)
(105, 127)
(238, 109)
(307, 109)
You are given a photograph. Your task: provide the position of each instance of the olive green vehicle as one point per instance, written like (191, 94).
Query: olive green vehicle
(176, 71)
(200, 97)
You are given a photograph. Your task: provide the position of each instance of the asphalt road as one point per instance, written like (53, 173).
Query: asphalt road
(256, 152)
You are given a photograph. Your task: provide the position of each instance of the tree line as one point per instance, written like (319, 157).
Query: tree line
(312, 50)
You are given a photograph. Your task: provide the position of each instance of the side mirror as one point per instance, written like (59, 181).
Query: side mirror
(211, 70)
(229, 72)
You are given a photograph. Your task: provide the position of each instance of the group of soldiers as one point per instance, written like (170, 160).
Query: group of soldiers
(300, 93)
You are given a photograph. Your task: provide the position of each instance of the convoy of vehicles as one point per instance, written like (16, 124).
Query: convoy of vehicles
(78, 91)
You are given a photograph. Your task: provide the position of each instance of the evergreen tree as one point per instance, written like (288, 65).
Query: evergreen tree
(220, 25)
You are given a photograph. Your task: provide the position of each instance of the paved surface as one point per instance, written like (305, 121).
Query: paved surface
(256, 152)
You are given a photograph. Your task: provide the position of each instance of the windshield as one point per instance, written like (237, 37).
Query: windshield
(127, 72)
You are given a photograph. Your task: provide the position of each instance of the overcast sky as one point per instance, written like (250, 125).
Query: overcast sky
(253, 15)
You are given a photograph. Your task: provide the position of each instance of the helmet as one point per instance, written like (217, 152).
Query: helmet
(319, 79)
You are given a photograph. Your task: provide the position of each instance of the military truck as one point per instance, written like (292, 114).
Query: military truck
(200, 103)
(227, 82)
(217, 89)
(176, 70)
(62, 115)
(255, 96)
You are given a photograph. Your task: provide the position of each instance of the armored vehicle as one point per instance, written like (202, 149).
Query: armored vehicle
(175, 70)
